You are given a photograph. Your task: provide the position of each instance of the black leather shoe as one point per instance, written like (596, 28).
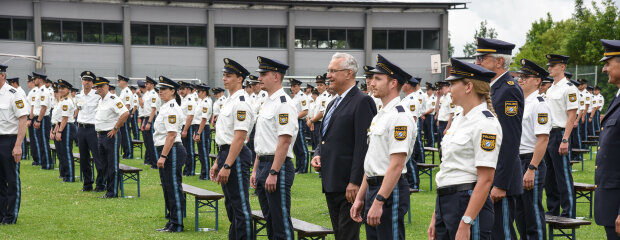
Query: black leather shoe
(87, 189)
(99, 189)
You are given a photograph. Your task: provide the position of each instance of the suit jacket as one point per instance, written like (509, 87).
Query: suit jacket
(507, 98)
(344, 145)
(607, 170)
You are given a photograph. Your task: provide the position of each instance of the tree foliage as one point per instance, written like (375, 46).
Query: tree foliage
(484, 32)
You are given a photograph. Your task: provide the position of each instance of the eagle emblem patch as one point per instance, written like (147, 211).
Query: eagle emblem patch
(543, 118)
(34, 99)
(452, 105)
(65, 107)
(119, 105)
(323, 104)
(303, 103)
(19, 104)
(189, 107)
(572, 97)
(241, 115)
(400, 133)
(172, 119)
(511, 108)
(487, 142)
(127, 98)
(153, 100)
(412, 108)
(420, 100)
(283, 118)
(204, 110)
(42, 98)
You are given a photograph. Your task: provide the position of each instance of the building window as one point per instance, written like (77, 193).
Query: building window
(277, 37)
(405, 39)
(414, 39)
(379, 39)
(16, 29)
(241, 36)
(197, 36)
(113, 33)
(431, 39)
(50, 30)
(92, 32)
(139, 34)
(158, 34)
(71, 31)
(5, 28)
(254, 37)
(329, 38)
(223, 36)
(260, 37)
(178, 35)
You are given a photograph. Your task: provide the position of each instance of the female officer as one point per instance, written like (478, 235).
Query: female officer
(64, 130)
(171, 152)
(470, 148)
(203, 133)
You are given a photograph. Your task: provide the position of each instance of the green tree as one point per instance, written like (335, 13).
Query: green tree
(450, 46)
(484, 32)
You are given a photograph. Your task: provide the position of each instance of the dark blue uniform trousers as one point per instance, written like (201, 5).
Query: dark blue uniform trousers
(42, 143)
(188, 143)
(392, 224)
(108, 151)
(559, 178)
(236, 193)
(530, 214)
(204, 148)
(135, 132)
(125, 137)
(440, 129)
(88, 145)
(316, 134)
(34, 148)
(429, 128)
(301, 150)
(64, 150)
(10, 185)
(171, 183)
(276, 206)
(150, 154)
(450, 208)
(250, 143)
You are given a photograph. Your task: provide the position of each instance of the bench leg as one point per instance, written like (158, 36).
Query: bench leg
(122, 184)
(409, 213)
(590, 200)
(431, 179)
(196, 214)
(551, 232)
(138, 184)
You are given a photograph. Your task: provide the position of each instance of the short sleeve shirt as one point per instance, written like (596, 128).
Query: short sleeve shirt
(12, 106)
(445, 107)
(87, 104)
(236, 115)
(412, 103)
(277, 117)
(65, 108)
(301, 102)
(536, 121)
(430, 103)
(167, 121)
(561, 97)
(108, 112)
(126, 96)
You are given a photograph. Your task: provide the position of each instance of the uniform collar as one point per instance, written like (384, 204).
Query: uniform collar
(476, 109)
(92, 91)
(277, 94)
(108, 96)
(500, 76)
(561, 81)
(411, 94)
(532, 96)
(237, 94)
(391, 104)
(5, 87)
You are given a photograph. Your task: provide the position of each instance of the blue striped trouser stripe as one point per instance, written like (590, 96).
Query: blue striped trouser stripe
(432, 134)
(45, 143)
(154, 148)
(175, 186)
(505, 218)
(68, 144)
(539, 225)
(243, 197)
(395, 203)
(128, 149)
(18, 193)
(115, 164)
(283, 201)
(36, 142)
(569, 187)
(412, 166)
(191, 149)
(303, 143)
(579, 134)
(204, 150)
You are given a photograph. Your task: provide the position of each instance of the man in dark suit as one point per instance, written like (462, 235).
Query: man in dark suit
(343, 144)
(507, 99)
(607, 170)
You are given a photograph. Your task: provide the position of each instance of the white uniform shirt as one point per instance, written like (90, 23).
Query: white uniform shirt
(135, 102)
(391, 131)
(600, 101)
(536, 114)
(52, 100)
(445, 108)
(472, 141)
(430, 102)
(561, 97)
(301, 102)
(167, 121)
(87, 104)
(32, 98)
(277, 117)
(126, 96)
(588, 99)
(64, 108)
(188, 107)
(218, 105)
(109, 110)
(378, 102)
(321, 103)
(236, 114)
(582, 102)
(43, 99)
(206, 108)
(150, 100)
(12, 106)
(20, 90)
(140, 108)
(412, 103)
(55, 114)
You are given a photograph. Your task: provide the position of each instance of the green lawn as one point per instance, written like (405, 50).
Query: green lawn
(52, 209)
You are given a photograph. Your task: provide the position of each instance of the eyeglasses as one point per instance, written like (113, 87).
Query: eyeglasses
(481, 58)
(332, 71)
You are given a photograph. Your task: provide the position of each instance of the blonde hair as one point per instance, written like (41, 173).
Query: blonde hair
(483, 90)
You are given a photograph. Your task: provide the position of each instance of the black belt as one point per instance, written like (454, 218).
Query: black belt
(82, 125)
(176, 144)
(377, 180)
(266, 158)
(526, 156)
(103, 132)
(555, 129)
(455, 188)
(224, 147)
(8, 136)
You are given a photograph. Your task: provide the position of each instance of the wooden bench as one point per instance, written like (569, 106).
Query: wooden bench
(137, 144)
(580, 152)
(53, 151)
(593, 138)
(203, 198)
(427, 169)
(411, 191)
(584, 190)
(561, 224)
(27, 144)
(305, 230)
(129, 173)
(76, 159)
(590, 144)
(432, 151)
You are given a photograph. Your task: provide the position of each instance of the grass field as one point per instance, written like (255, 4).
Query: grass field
(51, 209)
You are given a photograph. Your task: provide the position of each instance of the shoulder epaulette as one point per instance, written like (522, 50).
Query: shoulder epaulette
(540, 99)
(172, 104)
(112, 97)
(457, 114)
(411, 97)
(189, 99)
(263, 95)
(400, 108)
(487, 114)
(282, 99)
(242, 98)
(569, 84)
(12, 90)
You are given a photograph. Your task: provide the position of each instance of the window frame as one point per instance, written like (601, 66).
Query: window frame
(406, 30)
(329, 38)
(268, 27)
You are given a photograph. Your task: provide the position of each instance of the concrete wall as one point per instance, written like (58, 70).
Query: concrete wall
(173, 62)
(83, 11)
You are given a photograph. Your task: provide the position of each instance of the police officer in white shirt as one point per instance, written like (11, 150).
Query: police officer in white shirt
(596, 117)
(301, 105)
(529, 212)
(88, 143)
(577, 134)
(42, 122)
(315, 120)
(273, 173)
(546, 84)
(30, 100)
(13, 117)
(14, 82)
(188, 108)
(171, 153)
(150, 104)
(429, 115)
(140, 96)
(220, 96)
(232, 168)
(384, 193)
(125, 133)
(368, 74)
(135, 133)
(110, 116)
(412, 102)
(445, 110)
(64, 131)
(202, 135)
(563, 102)
(255, 101)
(470, 151)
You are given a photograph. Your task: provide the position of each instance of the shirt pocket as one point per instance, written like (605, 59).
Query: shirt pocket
(459, 141)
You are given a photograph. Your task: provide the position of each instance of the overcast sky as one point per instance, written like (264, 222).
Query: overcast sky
(511, 19)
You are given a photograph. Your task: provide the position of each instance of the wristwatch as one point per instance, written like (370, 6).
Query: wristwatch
(467, 220)
(532, 167)
(273, 172)
(380, 198)
(564, 140)
(163, 156)
(115, 129)
(226, 166)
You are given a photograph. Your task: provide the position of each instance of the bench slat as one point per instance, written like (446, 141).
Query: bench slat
(201, 194)
(584, 187)
(126, 168)
(304, 228)
(565, 223)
